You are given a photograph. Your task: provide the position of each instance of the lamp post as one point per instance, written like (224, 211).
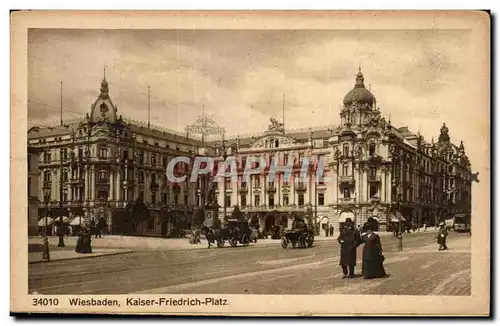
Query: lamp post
(60, 229)
(225, 151)
(400, 233)
(46, 196)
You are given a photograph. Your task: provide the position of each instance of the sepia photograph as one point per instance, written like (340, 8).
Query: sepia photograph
(185, 166)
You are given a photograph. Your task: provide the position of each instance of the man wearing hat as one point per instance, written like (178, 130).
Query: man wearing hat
(441, 237)
(349, 240)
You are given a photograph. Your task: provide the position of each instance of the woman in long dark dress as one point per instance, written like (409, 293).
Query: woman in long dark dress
(373, 260)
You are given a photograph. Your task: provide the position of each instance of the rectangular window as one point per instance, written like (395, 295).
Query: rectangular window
(153, 159)
(373, 190)
(151, 223)
(243, 200)
(321, 199)
(243, 185)
(285, 200)
(270, 184)
(257, 200)
(285, 159)
(271, 200)
(301, 199)
(228, 200)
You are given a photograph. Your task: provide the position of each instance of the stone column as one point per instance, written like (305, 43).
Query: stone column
(365, 184)
(118, 186)
(87, 183)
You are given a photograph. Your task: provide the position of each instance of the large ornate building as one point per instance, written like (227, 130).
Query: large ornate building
(375, 170)
(104, 163)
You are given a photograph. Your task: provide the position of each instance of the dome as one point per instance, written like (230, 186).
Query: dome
(359, 93)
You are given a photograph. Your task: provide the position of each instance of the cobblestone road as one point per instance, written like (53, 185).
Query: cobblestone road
(419, 270)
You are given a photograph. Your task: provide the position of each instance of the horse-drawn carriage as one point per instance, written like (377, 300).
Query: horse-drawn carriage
(302, 238)
(234, 232)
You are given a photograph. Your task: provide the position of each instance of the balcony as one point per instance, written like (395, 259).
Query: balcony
(75, 181)
(300, 187)
(271, 188)
(102, 181)
(347, 200)
(274, 208)
(349, 179)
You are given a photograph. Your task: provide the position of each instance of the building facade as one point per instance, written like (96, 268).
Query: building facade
(105, 166)
(373, 170)
(33, 199)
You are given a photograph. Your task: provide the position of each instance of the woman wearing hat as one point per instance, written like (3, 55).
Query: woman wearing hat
(373, 260)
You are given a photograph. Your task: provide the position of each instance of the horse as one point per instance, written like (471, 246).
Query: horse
(211, 235)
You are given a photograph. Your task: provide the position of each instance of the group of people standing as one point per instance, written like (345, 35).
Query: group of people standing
(350, 239)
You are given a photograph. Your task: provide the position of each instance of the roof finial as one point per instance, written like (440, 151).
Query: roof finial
(359, 67)
(104, 72)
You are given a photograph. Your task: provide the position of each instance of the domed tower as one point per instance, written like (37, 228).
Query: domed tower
(103, 108)
(357, 101)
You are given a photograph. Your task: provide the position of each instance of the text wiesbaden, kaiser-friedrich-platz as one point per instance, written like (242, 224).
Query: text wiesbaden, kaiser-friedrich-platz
(104, 164)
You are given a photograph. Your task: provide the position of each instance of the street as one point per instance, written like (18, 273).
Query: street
(267, 269)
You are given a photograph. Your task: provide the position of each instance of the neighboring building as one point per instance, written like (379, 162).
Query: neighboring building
(108, 163)
(377, 170)
(33, 199)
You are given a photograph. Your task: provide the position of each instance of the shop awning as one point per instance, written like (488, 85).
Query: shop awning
(65, 219)
(397, 217)
(41, 222)
(76, 221)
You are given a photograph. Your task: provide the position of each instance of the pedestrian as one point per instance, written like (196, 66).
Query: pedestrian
(425, 227)
(373, 259)
(331, 230)
(349, 240)
(327, 232)
(441, 237)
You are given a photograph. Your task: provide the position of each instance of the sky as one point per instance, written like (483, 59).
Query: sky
(419, 77)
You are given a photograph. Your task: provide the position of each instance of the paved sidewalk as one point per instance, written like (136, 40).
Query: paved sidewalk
(36, 257)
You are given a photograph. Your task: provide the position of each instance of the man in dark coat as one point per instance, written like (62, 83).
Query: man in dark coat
(349, 240)
(373, 260)
(441, 237)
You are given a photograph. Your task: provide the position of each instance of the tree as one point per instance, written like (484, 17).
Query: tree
(140, 211)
